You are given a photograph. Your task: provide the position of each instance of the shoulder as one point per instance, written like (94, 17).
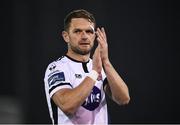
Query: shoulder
(62, 61)
(58, 65)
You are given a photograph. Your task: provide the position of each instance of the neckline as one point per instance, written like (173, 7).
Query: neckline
(72, 59)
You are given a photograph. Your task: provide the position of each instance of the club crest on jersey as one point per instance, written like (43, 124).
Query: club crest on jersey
(94, 99)
(56, 77)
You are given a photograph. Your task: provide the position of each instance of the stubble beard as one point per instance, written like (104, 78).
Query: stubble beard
(80, 51)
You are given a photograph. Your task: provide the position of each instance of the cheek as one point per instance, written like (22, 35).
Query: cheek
(73, 40)
(93, 39)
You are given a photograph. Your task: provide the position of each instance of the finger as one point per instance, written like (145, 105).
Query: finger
(96, 50)
(100, 39)
(100, 34)
(104, 33)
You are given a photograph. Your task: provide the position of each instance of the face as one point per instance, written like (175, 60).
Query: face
(80, 36)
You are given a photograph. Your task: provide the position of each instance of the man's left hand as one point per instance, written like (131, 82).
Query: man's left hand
(102, 40)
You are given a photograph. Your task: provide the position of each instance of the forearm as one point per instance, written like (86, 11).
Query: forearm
(69, 100)
(118, 88)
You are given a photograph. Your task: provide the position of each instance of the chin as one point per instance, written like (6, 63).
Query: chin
(82, 51)
(85, 52)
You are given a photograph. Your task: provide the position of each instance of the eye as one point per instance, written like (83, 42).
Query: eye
(90, 31)
(77, 31)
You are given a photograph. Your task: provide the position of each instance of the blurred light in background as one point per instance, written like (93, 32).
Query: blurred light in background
(10, 110)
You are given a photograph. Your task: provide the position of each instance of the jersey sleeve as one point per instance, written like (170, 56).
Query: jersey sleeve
(56, 78)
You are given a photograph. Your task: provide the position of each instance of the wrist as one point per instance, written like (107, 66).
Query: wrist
(93, 75)
(106, 62)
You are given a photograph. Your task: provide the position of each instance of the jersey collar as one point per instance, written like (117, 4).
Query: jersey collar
(75, 59)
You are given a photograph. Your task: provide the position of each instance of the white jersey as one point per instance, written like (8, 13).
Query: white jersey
(69, 73)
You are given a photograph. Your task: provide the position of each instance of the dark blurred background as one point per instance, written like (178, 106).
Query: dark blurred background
(143, 47)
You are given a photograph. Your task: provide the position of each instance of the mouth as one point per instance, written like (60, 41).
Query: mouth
(84, 44)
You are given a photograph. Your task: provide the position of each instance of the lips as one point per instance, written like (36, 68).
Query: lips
(84, 43)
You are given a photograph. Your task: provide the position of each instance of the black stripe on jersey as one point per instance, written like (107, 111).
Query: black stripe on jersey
(75, 59)
(60, 58)
(61, 84)
(105, 82)
(84, 64)
(55, 112)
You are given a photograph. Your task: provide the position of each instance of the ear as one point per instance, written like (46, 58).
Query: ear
(65, 36)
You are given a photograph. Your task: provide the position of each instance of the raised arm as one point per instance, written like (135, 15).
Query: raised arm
(69, 100)
(116, 87)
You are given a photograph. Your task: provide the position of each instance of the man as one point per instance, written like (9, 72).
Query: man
(75, 84)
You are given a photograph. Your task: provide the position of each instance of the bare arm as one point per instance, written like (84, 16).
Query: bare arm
(116, 87)
(69, 100)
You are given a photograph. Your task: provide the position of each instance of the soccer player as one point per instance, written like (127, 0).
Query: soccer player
(75, 84)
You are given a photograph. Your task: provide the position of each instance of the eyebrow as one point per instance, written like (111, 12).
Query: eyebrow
(88, 29)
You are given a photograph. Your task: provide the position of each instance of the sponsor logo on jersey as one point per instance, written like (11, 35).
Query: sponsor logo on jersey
(53, 72)
(56, 77)
(79, 76)
(52, 66)
(94, 99)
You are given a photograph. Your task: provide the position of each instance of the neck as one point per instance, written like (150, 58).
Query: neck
(78, 57)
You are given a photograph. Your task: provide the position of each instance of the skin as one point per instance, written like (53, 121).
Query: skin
(81, 35)
(80, 39)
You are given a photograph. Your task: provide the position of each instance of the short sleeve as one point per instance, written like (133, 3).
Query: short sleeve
(56, 78)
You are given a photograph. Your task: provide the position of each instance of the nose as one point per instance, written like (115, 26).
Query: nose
(84, 35)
